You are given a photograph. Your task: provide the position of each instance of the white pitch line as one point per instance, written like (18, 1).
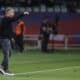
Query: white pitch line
(48, 70)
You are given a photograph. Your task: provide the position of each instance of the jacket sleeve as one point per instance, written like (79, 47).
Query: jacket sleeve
(15, 18)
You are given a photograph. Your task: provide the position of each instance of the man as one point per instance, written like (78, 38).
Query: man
(44, 35)
(6, 34)
(54, 30)
(20, 29)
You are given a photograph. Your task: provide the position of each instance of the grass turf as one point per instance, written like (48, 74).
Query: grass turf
(31, 61)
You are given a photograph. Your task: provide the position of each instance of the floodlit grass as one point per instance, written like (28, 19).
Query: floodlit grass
(31, 62)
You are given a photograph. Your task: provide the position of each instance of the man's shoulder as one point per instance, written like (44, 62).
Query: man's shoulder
(3, 18)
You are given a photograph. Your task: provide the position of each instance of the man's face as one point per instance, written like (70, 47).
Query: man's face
(11, 13)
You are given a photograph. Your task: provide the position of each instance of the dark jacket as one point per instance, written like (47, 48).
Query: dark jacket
(6, 30)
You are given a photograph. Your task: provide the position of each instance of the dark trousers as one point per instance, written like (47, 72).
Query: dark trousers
(6, 48)
(44, 45)
(19, 43)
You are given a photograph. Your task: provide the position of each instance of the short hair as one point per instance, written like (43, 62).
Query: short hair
(8, 9)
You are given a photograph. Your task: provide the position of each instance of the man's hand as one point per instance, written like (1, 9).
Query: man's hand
(13, 40)
(26, 13)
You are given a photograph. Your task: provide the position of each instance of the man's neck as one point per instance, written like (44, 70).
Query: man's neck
(7, 16)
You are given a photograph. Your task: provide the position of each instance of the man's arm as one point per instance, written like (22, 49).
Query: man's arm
(20, 16)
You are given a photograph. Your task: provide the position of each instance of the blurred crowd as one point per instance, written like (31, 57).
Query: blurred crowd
(71, 5)
(49, 3)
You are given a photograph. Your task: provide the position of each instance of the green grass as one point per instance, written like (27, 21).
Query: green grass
(31, 61)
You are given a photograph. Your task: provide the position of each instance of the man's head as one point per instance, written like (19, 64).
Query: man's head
(10, 12)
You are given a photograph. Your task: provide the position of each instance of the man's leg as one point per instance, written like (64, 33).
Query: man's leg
(44, 45)
(6, 47)
(21, 44)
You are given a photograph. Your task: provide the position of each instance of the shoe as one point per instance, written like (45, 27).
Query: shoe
(5, 73)
(9, 74)
(2, 71)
